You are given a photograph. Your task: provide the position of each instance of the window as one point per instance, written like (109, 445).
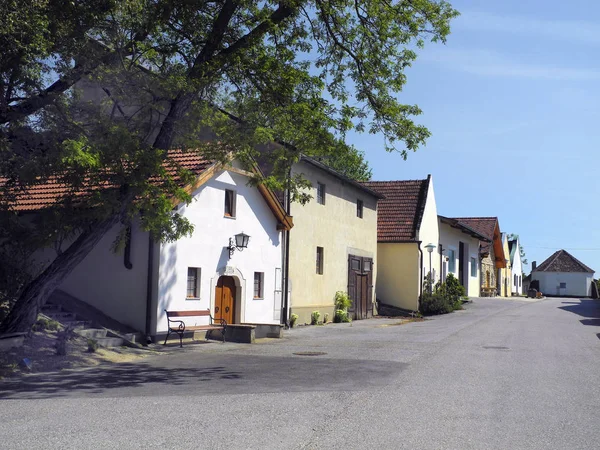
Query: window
(320, 193)
(473, 267)
(367, 266)
(258, 284)
(520, 281)
(229, 203)
(320, 260)
(563, 285)
(451, 260)
(193, 282)
(359, 209)
(515, 280)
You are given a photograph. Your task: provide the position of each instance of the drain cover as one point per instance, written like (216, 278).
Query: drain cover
(310, 353)
(492, 347)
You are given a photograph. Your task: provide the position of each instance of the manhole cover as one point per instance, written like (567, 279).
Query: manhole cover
(310, 353)
(493, 347)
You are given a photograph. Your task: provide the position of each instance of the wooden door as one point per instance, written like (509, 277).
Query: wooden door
(461, 263)
(225, 299)
(360, 283)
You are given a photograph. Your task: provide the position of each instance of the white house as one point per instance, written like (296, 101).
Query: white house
(563, 275)
(517, 266)
(203, 271)
(459, 253)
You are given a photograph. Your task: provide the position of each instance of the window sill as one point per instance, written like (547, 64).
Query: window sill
(193, 298)
(228, 217)
(258, 298)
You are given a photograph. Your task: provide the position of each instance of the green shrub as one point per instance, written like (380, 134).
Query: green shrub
(454, 290)
(293, 319)
(45, 324)
(314, 317)
(432, 304)
(341, 316)
(342, 301)
(92, 345)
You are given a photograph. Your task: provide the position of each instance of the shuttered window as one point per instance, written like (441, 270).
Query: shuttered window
(320, 260)
(193, 282)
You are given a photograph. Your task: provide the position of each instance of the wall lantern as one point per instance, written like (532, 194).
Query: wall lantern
(241, 242)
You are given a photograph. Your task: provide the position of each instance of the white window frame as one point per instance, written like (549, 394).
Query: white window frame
(233, 204)
(198, 284)
(261, 295)
(474, 258)
(452, 261)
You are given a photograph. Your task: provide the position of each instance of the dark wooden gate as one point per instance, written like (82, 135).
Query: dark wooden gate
(461, 264)
(360, 286)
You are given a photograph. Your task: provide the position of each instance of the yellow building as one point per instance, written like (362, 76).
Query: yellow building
(505, 272)
(333, 245)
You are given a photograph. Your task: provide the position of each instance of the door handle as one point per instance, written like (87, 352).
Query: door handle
(216, 309)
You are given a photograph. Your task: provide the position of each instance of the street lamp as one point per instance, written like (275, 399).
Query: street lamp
(430, 248)
(241, 242)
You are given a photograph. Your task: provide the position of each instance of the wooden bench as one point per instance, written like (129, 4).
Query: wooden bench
(488, 291)
(180, 328)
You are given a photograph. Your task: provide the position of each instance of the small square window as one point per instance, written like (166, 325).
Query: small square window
(367, 266)
(359, 208)
(193, 282)
(320, 193)
(473, 267)
(320, 260)
(563, 285)
(258, 284)
(451, 260)
(230, 200)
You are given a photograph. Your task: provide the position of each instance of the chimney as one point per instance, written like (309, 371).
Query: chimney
(533, 265)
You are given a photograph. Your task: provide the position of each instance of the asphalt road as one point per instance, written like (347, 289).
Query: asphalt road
(502, 374)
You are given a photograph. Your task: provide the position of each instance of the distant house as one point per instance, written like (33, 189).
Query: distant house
(517, 266)
(563, 275)
(491, 253)
(407, 222)
(333, 246)
(203, 271)
(459, 254)
(505, 285)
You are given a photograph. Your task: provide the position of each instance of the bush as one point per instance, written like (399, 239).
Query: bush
(454, 290)
(436, 303)
(92, 345)
(293, 319)
(342, 301)
(45, 324)
(341, 316)
(314, 317)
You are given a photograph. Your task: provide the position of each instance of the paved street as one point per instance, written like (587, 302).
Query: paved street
(503, 374)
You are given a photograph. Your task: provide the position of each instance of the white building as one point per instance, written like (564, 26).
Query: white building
(459, 253)
(517, 266)
(194, 273)
(563, 275)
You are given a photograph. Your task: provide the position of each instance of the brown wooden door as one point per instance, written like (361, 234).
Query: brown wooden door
(360, 283)
(225, 299)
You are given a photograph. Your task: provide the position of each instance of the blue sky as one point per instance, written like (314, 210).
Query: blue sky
(513, 104)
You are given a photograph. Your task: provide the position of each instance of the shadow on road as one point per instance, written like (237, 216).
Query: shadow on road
(590, 309)
(95, 381)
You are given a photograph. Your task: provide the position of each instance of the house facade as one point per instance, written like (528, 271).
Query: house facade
(505, 276)
(333, 245)
(563, 275)
(459, 254)
(491, 253)
(407, 223)
(516, 265)
(203, 271)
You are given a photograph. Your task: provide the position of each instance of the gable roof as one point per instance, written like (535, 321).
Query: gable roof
(562, 261)
(50, 192)
(454, 223)
(490, 228)
(400, 212)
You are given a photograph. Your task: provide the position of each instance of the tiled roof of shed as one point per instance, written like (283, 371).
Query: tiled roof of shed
(51, 191)
(562, 261)
(400, 213)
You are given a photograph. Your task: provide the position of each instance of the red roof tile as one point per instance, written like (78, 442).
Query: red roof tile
(483, 225)
(49, 192)
(562, 261)
(399, 214)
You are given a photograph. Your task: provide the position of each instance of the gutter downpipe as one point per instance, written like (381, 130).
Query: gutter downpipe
(286, 266)
(420, 275)
(149, 282)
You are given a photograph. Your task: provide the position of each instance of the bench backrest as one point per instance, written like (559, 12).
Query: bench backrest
(202, 312)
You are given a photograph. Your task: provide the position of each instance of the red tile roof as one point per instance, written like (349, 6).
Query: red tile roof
(483, 225)
(400, 213)
(51, 191)
(562, 261)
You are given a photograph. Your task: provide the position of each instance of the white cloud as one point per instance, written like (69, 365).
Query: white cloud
(563, 30)
(490, 63)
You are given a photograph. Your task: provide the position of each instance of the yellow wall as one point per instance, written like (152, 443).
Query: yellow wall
(335, 227)
(506, 272)
(398, 275)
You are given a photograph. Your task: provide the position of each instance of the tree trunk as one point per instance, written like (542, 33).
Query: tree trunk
(24, 313)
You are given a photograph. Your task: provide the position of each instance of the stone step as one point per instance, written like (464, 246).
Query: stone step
(62, 316)
(73, 324)
(93, 333)
(110, 341)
